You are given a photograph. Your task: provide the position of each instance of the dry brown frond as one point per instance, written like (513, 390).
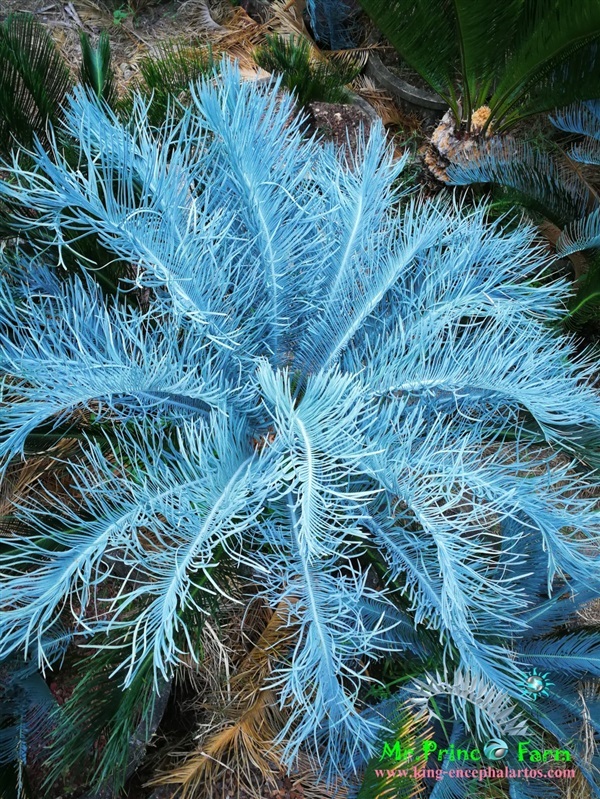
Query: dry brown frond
(379, 99)
(242, 27)
(240, 746)
(578, 787)
(312, 788)
(239, 39)
(356, 58)
(242, 742)
(198, 9)
(18, 477)
(210, 676)
(272, 640)
(287, 19)
(589, 613)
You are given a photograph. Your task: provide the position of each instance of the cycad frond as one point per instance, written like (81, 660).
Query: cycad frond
(96, 69)
(587, 153)
(239, 745)
(583, 234)
(518, 58)
(554, 65)
(192, 485)
(26, 703)
(251, 721)
(34, 80)
(577, 653)
(330, 642)
(347, 306)
(545, 183)
(166, 76)
(99, 707)
(562, 719)
(495, 713)
(558, 610)
(582, 118)
(258, 242)
(309, 80)
(380, 778)
(114, 360)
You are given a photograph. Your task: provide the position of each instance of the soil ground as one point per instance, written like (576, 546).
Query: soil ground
(135, 29)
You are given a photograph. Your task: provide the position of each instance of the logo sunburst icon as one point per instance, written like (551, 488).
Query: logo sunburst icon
(536, 685)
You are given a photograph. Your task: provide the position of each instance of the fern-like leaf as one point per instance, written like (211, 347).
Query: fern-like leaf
(96, 69)
(546, 184)
(577, 653)
(34, 80)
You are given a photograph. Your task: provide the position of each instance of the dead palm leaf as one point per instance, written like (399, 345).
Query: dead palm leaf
(379, 99)
(243, 741)
(242, 746)
(287, 19)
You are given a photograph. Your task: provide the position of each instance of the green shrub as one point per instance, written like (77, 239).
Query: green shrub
(310, 81)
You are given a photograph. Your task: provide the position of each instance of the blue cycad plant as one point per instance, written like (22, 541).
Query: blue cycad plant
(334, 22)
(561, 186)
(582, 119)
(346, 395)
(556, 187)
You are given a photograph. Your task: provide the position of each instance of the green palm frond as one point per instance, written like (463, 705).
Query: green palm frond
(383, 778)
(521, 58)
(442, 40)
(98, 707)
(411, 28)
(554, 65)
(96, 68)
(310, 80)
(34, 80)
